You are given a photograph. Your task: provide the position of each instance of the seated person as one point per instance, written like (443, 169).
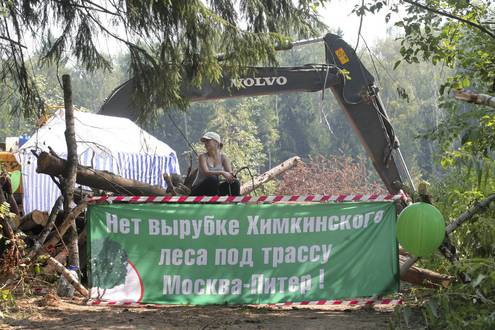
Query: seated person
(213, 166)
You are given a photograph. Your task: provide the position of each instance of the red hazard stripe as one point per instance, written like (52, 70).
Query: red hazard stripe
(357, 197)
(247, 198)
(353, 302)
(262, 198)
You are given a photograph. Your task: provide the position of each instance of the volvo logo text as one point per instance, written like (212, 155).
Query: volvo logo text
(259, 81)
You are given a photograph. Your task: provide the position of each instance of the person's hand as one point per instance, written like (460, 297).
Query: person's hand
(229, 177)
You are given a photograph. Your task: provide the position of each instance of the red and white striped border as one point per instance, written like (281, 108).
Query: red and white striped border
(247, 199)
(354, 302)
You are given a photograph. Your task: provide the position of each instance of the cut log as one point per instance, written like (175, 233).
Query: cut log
(35, 219)
(424, 277)
(270, 175)
(103, 180)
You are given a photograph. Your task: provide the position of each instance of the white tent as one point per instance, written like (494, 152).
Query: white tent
(105, 143)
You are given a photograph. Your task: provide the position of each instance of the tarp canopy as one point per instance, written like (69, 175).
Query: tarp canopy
(113, 144)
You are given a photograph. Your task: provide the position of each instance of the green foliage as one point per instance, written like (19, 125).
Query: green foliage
(168, 42)
(240, 136)
(460, 306)
(7, 301)
(470, 304)
(108, 263)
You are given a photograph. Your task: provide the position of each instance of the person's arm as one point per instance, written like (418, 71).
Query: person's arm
(227, 166)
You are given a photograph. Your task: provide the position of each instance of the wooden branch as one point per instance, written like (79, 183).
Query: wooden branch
(68, 276)
(473, 97)
(62, 255)
(449, 15)
(103, 180)
(7, 228)
(6, 186)
(424, 277)
(480, 207)
(48, 228)
(270, 175)
(66, 224)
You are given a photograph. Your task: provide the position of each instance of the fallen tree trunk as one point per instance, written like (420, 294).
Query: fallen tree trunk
(48, 164)
(424, 277)
(270, 175)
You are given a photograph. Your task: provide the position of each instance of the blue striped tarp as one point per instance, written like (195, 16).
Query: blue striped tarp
(40, 192)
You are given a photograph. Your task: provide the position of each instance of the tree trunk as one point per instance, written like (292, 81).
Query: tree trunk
(35, 219)
(270, 175)
(70, 169)
(103, 180)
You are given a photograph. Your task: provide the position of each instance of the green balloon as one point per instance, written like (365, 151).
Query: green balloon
(15, 180)
(420, 229)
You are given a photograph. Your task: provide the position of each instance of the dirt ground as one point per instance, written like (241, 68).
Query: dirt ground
(51, 312)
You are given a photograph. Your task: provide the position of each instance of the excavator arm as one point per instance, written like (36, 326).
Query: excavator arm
(349, 80)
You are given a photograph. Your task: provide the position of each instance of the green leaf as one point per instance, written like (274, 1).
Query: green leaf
(478, 280)
(433, 305)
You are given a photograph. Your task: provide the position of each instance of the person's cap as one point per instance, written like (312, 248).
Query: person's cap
(212, 136)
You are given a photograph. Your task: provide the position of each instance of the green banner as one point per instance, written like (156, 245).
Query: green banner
(241, 253)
